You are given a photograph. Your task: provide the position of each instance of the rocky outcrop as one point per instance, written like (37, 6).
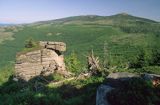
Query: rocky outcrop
(114, 80)
(102, 95)
(44, 61)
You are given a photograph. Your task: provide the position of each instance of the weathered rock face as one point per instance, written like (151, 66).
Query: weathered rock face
(45, 61)
(102, 91)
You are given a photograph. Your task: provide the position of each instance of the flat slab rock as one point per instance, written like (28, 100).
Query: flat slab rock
(116, 79)
(59, 46)
(121, 75)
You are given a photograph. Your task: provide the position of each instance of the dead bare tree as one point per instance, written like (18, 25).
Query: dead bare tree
(93, 63)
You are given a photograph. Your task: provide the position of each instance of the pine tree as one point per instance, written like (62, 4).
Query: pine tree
(30, 43)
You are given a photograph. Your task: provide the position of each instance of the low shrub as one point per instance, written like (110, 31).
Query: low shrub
(73, 64)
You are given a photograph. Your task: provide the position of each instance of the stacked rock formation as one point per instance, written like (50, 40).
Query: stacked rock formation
(45, 61)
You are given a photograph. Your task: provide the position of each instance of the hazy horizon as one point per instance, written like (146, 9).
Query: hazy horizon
(17, 12)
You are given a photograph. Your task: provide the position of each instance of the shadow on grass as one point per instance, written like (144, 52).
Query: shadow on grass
(37, 92)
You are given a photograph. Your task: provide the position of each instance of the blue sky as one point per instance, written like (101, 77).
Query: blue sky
(26, 11)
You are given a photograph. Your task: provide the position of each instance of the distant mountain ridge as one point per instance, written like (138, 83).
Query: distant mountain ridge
(96, 18)
(6, 24)
(90, 18)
